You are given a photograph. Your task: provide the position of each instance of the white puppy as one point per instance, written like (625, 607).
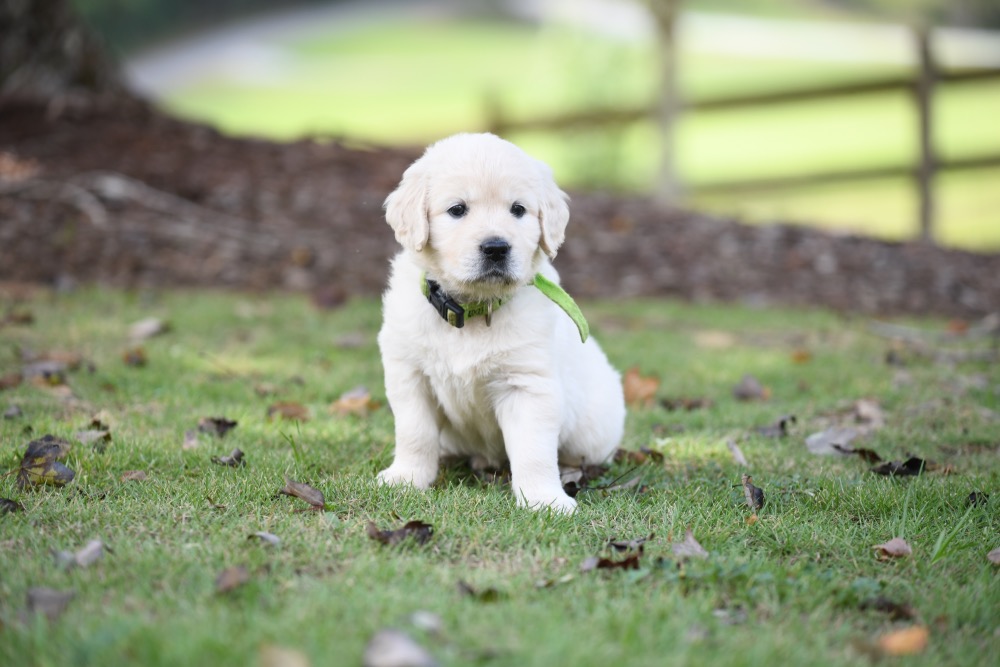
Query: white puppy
(507, 376)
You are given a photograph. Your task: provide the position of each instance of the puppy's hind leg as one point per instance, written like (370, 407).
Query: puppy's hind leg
(418, 450)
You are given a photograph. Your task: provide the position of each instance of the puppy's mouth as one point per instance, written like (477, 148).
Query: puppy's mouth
(496, 275)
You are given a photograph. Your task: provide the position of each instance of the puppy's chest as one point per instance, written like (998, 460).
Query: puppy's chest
(465, 385)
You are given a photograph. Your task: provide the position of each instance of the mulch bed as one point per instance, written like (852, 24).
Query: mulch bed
(117, 193)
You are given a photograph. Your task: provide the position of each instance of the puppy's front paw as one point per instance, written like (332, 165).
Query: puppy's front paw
(557, 501)
(400, 476)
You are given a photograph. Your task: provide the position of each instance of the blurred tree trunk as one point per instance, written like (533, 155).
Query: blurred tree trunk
(47, 53)
(665, 13)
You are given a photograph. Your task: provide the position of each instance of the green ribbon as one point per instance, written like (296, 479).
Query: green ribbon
(558, 296)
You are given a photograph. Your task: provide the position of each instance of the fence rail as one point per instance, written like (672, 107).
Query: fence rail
(922, 84)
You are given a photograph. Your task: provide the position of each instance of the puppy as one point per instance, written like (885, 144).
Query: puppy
(482, 350)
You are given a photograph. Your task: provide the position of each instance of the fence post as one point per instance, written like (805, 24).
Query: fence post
(665, 13)
(924, 96)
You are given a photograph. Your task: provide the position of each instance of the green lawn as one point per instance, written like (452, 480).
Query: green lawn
(399, 83)
(789, 588)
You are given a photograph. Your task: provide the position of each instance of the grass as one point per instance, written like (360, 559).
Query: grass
(373, 83)
(788, 587)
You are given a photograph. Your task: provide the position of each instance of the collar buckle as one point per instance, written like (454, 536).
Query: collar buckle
(447, 308)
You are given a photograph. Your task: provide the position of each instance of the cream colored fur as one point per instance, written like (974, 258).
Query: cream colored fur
(524, 389)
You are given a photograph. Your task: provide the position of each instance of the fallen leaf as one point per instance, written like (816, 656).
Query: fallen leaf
(233, 460)
(305, 492)
(17, 316)
(869, 456)
(10, 380)
(630, 562)
(92, 552)
(833, 441)
(908, 641)
(638, 457)
(778, 429)
(269, 539)
(752, 519)
(190, 440)
(357, 401)
(394, 648)
(215, 505)
(737, 453)
(134, 357)
(994, 556)
(13, 412)
(49, 602)
(147, 328)
(869, 413)
(484, 595)
(894, 548)
(687, 404)
(217, 426)
(750, 389)
(281, 656)
(911, 466)
(289, 411)
(134, 476)
(635, 544)
(895, 610)
(753, 495)
(714, 340)
(689, 547)
(977, 499)
(8, 506)
(640, 391)
(231, 578)
(41, 465)
(801, 356)
(92, 436)
(419, 531)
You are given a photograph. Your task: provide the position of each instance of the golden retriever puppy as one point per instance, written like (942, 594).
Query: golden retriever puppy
(485, 356)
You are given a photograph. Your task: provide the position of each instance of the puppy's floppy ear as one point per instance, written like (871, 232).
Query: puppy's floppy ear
(553, 211)
(406, 209)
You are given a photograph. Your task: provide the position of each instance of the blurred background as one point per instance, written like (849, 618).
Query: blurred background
(872, 116)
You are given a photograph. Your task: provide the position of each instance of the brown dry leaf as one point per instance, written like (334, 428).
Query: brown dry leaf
(10, 380)
(305, 492)
(752, 519)
(911, 466)
(908, 641)
(801, 356)
(49, 602)
(93, 436)
(147, 328)
(640, 391)
(689, 547)
(289, 411)
(281, 656)
(357, 401)
(630, 562)
(994, 556)
(217, 426)
(8, 506)
(13, 412)
(636, 544)
(779, 429)
(41, 465)
(233, 460)
(190, 440)
(643, 455)
(92, 552)
(134, 476)
(896, 611)
(750, 389)
(135, 357)
(869, 456)
(753, 495)
(484, 595)
(231, 578)
(394, 648)
(686, 404)
(737, 453)
(419, 531)
(894, 548)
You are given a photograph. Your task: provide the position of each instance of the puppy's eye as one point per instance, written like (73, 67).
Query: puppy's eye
(458, 210)
(517, 210)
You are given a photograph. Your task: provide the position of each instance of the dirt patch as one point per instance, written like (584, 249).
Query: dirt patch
(117, 193)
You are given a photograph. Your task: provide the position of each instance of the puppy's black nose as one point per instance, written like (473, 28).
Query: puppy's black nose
(495, 249)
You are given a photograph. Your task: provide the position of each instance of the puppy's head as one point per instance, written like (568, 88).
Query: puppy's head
(478, 214)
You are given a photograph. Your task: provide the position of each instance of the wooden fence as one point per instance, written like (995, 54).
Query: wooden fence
(922, 85)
